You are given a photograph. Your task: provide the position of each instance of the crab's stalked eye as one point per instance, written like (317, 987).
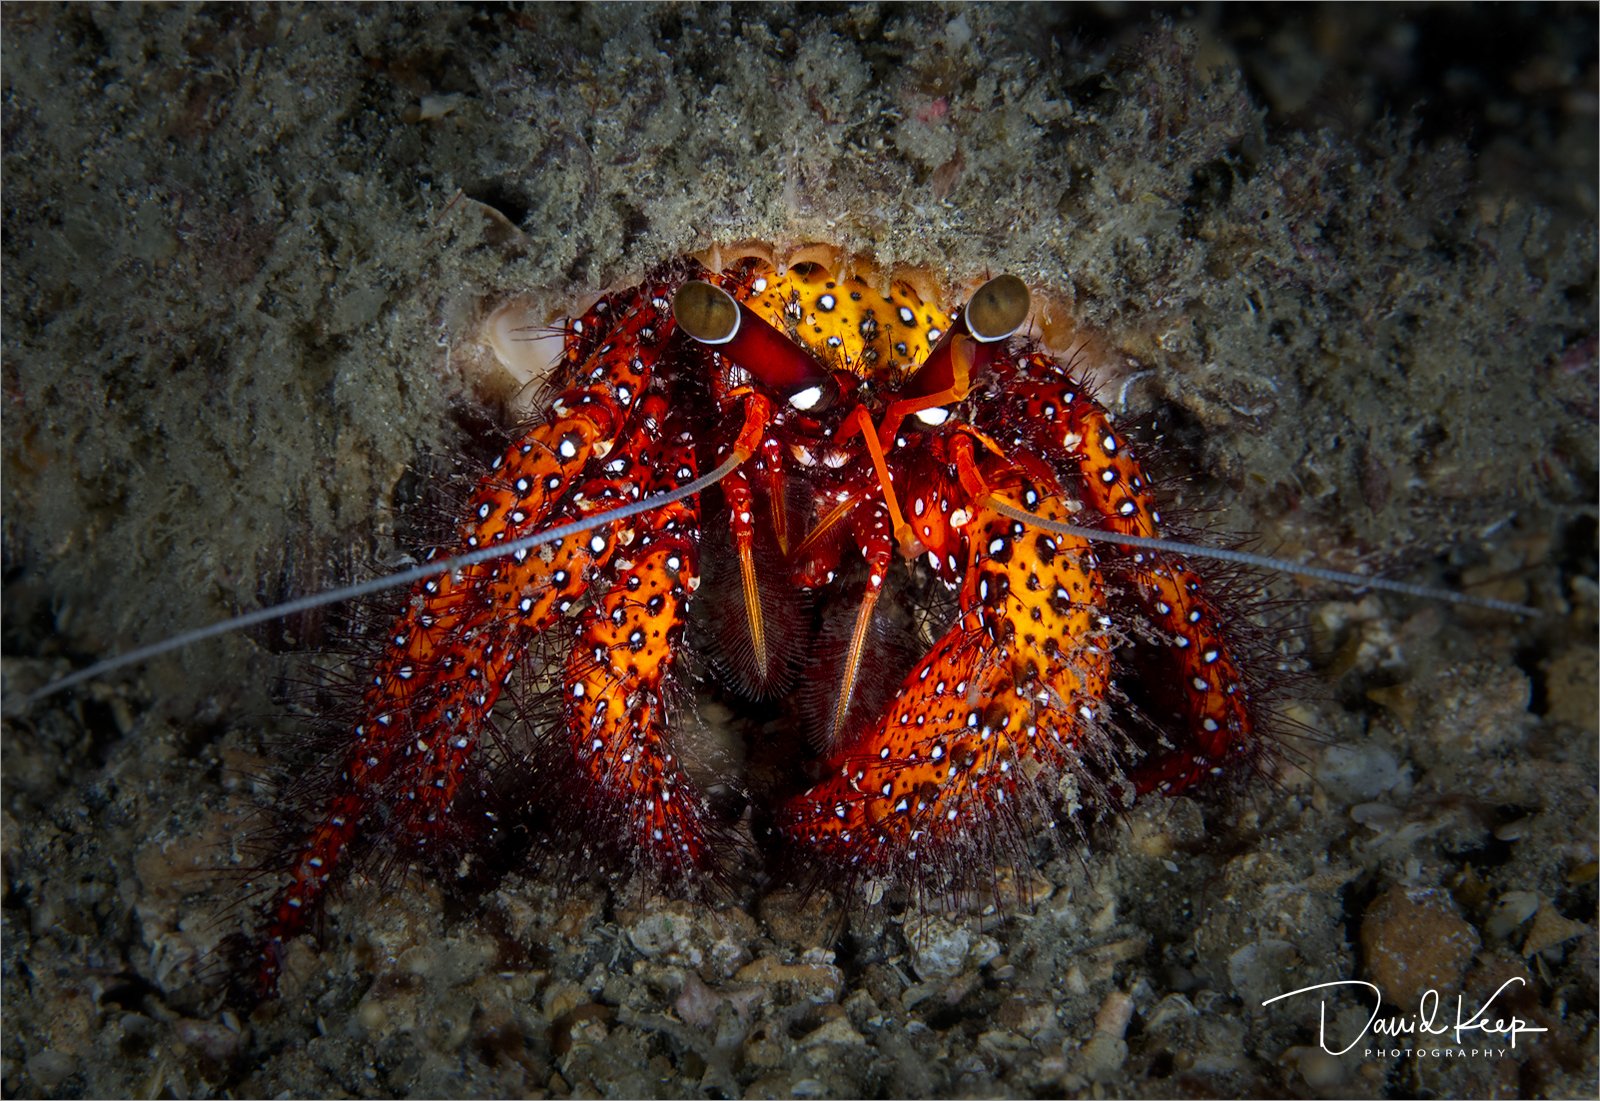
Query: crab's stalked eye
(707, 313)
(713, 317)
(997, 309)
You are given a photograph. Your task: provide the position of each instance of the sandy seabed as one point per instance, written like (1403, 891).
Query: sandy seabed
(1345, 259)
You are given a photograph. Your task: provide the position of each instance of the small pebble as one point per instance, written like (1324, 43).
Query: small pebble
(1549, 929)
(1514, 908)
(1413, 940)
(939, 947)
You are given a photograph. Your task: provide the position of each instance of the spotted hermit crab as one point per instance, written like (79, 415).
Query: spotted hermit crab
(828, 447)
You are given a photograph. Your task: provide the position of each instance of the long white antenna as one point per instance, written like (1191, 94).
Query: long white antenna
(379, 584)
(1261, 561)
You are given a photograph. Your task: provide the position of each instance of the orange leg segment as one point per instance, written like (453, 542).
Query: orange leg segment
(617, 683)
(1212, 695)
(447, 655)
(438, 678)
(1005, 703)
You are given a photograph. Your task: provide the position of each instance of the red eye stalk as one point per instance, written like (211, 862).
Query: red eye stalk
(713, 317)
(996, 310)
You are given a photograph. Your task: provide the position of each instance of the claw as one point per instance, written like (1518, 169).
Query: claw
(1005, 701)
(1201, 680)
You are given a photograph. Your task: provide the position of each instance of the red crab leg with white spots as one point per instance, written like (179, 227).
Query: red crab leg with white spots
(616, 714)
(445, 665)
(1213, 696)
(1004, 704)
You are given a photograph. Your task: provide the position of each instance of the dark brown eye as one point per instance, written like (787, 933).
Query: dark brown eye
(707, 313)
(998, 308)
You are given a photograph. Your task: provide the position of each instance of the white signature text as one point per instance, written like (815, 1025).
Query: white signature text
(1425, 1022)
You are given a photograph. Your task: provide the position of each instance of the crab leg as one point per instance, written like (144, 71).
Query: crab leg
(615, 714)
(1005, 703)
(1211, 693)
(445, 662)
(616, 709)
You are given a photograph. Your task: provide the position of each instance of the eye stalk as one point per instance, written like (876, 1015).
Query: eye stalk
(996, 311)
(713, 317)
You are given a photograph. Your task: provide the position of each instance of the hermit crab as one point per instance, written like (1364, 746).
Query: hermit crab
(870, 450)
